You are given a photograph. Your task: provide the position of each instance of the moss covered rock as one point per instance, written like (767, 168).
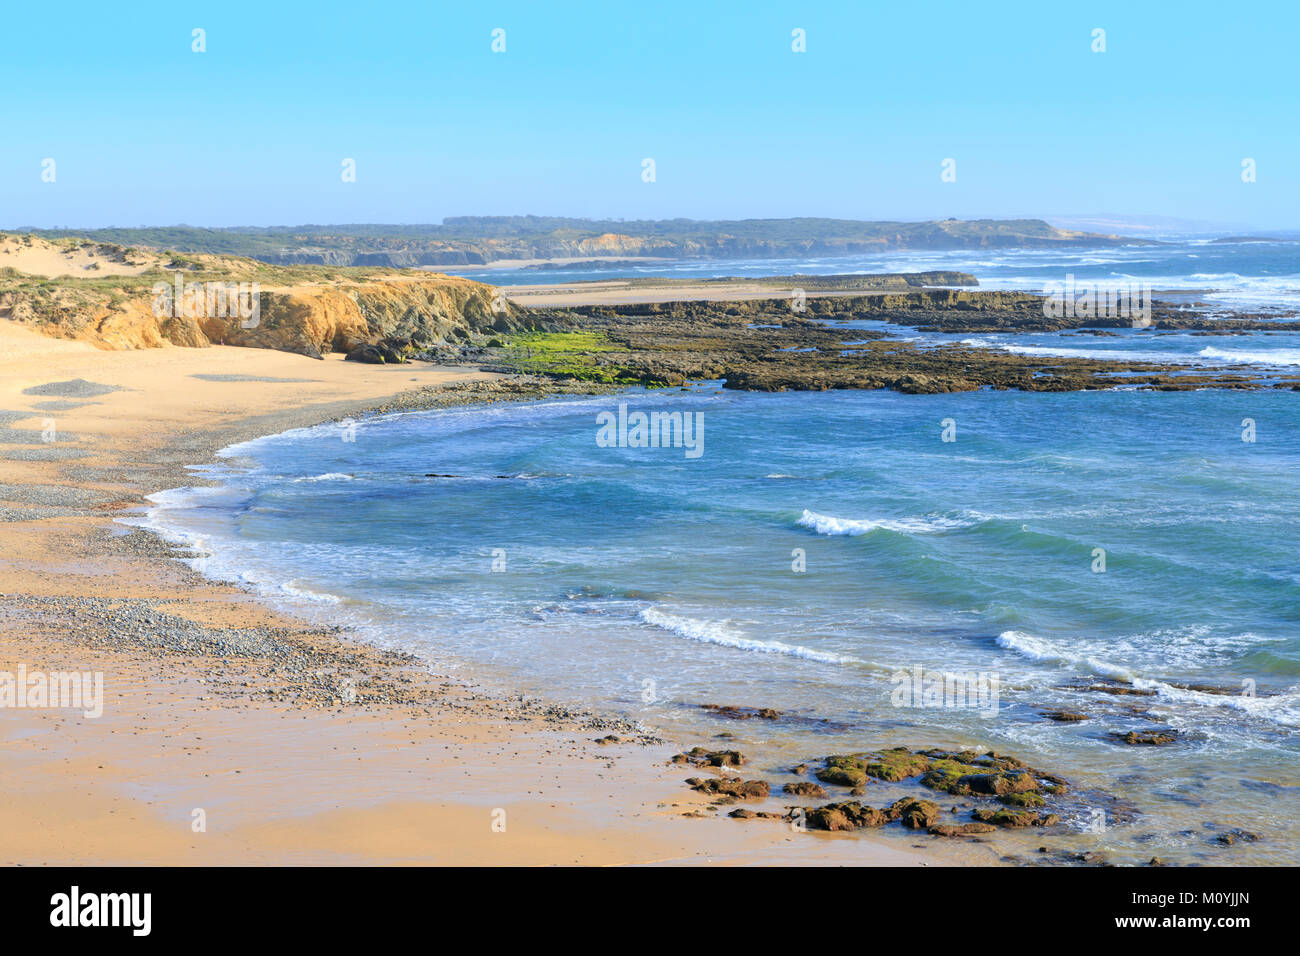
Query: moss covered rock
(844, 816)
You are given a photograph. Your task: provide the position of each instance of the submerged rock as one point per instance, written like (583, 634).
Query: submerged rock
(1148, 738)
(740, 713)
(805, 788)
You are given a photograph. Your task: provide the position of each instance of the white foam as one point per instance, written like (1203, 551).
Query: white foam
(1282, 709)
(1254, 357)
(830, 525)
(714, 632)
(1040, 649)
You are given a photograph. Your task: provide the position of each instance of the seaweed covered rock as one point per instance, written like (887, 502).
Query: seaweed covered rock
(736, 787)
(1007, 817)
(844, 770)
(916, 814)
(741, 813)
(1144, 738)
(1023, 799)
(845, 816)
(996, 784)
(852, 770)
(961, 829)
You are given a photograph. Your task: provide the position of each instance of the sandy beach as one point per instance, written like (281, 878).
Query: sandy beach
(219, 711)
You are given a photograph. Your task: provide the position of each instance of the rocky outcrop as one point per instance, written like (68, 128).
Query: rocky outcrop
(421, 312)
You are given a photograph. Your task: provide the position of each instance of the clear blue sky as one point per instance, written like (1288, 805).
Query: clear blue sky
(145, 132)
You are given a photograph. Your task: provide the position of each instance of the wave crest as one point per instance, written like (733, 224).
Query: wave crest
(713, 632)
(830, 525)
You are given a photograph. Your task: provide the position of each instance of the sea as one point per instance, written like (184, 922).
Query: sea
(1128, 556)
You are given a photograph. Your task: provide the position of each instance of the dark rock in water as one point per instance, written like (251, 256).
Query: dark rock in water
(434, 475)
(1023, 799)
(916, 814)
(1065, 716)
(1121, 690)
(805, 789)
(997, 784)
(800, 769)
(742, 814)
(610, 739)
(741, 713)
(845, 816)
(731, 787)
(1156, 861)
(1074, 857)
(1006, 817)
(1236, 836)
(961, 830)
(1149, 738)
(710, 758)
(1268, 786)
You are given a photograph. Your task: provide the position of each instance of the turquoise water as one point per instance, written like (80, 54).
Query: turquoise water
(646, 582)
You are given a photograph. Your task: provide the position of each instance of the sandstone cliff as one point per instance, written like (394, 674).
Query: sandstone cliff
(109, 296)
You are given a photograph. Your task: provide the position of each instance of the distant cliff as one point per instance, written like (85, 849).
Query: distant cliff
(465, 241)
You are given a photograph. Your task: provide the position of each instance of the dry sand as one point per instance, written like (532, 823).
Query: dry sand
(415, 771)
(40, 257)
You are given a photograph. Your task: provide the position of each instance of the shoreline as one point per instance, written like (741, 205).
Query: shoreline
(237, 707)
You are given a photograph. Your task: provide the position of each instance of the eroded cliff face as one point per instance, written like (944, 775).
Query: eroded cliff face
(423, 312)
(310, 319)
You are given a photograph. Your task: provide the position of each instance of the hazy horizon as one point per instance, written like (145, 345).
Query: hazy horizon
(782, 112)
(1137, 226)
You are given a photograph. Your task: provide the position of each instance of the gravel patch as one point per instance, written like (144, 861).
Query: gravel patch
(59, 496)
(35, 514)
(97, 474)
(28, 436)
(73, 388)
(62, 406)
(48, 453)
